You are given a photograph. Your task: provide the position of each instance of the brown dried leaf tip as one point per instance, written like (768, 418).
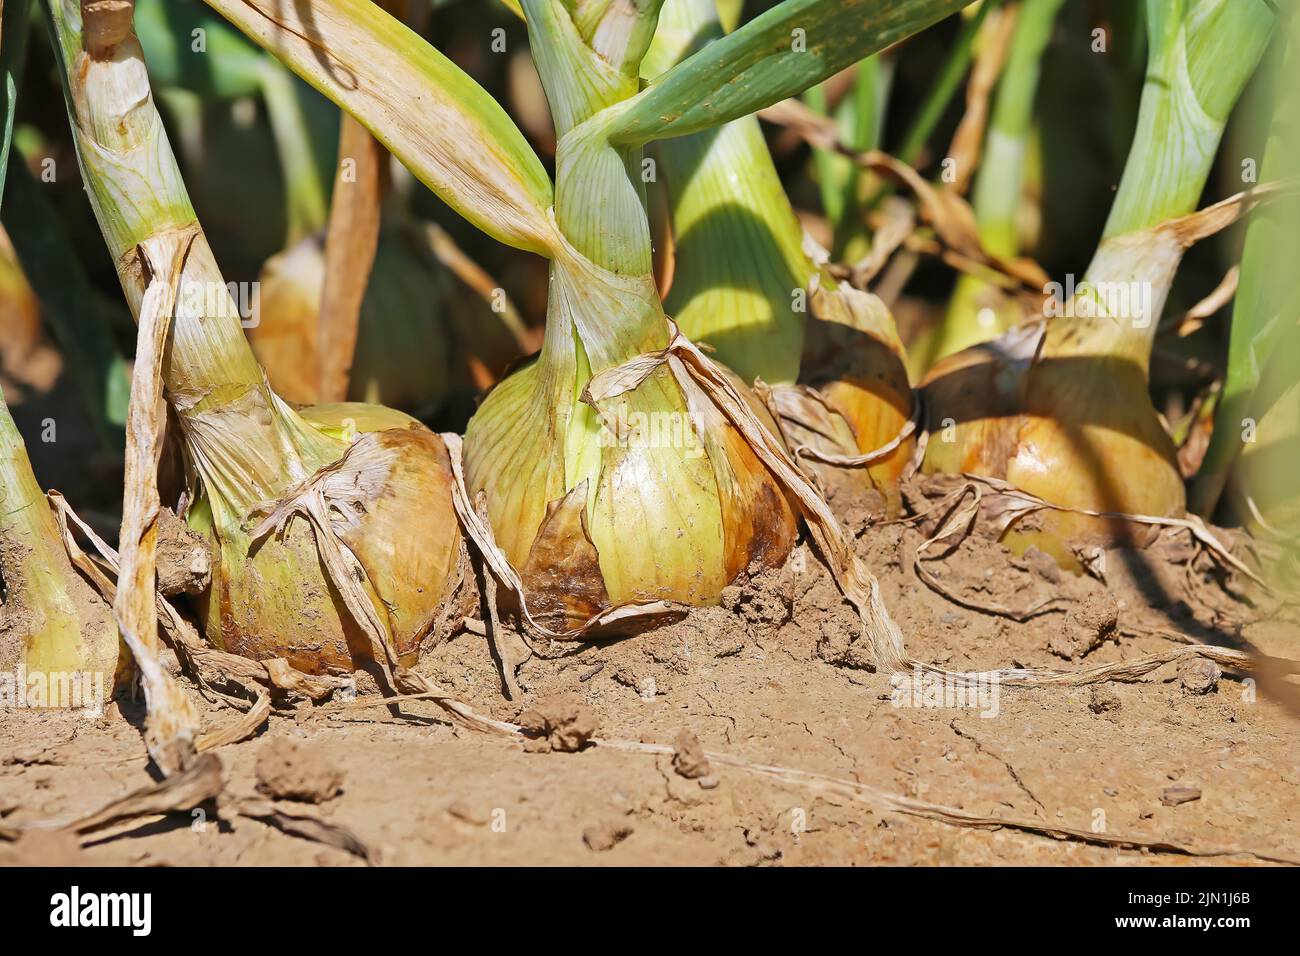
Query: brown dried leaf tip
(561, 722)
(106, 23)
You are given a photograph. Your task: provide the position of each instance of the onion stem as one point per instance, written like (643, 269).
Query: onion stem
(1263, 312)
(247, 446)
(1202, 53)
(843, 184)
(72, 308)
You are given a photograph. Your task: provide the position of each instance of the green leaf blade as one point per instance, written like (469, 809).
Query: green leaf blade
(775, 56)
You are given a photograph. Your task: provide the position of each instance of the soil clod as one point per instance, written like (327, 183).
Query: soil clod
(561, 722)
(688, 757)
(292, 771)
(184, 562)
(1175, 796)
(605, 836)
(1086, 628)
(1199, 675)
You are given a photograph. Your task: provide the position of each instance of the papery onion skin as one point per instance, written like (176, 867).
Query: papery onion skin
(672, 520)
(1075, 430)
(273, 599)
(853, 358)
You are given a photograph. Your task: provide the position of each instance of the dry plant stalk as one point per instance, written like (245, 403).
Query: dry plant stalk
(882, 800)
(944, 210)
(351, 240)
(172, 721)
(995, 43)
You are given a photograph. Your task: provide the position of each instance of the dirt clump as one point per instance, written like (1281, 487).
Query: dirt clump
(1086, 628)
(292, 771)
(762, 599)
(184, 562)
(1175, 796)
(560, 722)
(602, 837)
(688, 756)
(1199, 675)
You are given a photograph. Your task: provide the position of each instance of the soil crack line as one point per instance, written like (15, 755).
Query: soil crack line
(980, 749)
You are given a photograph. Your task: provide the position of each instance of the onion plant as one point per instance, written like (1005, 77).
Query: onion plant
(368, 514)
(650, 493)
(52, 622)
(417, 334)
(1259, 417)
(1255, 422)
(743, 283)
(54, 627)
(1063, 410)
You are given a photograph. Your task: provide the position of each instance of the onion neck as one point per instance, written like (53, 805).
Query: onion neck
(1202, 53)
(246, 444)
(1115, 310)
(600, 202)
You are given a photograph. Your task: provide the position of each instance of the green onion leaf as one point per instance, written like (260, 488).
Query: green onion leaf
(776, 55)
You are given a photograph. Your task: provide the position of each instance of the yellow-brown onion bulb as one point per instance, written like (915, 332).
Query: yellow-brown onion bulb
(662, 499)
(271, 597)
(1054, 412)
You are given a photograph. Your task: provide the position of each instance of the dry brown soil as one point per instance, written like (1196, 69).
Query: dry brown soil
(771, 676)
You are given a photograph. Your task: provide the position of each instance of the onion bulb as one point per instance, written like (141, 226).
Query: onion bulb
(1061, 408)
(654, 496)
(284, 499)
(1037, 408)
